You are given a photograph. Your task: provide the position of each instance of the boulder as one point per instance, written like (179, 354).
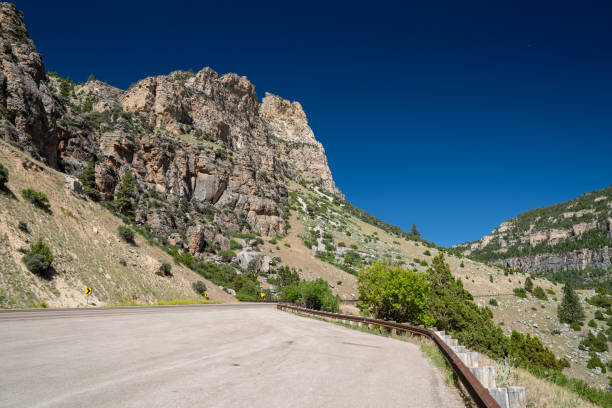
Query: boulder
(250, 258)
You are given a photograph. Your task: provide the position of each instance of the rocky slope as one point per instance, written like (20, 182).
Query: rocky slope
(572, 236)
(198, 142)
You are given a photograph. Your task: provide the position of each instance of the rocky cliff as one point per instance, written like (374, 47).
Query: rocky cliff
(207, 156)
(573, 235)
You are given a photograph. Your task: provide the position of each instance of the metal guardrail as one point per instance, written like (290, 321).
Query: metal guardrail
(475, 389)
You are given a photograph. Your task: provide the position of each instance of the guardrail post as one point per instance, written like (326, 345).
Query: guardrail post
(501, 396)
(517, 397)
(485, 374)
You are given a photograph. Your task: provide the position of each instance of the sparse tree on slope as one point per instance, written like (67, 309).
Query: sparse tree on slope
(124, 202)
(570, 309)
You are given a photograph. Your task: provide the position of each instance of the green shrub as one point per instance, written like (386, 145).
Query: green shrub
(575, 326)
(394, 293)
(126, 233)
(227, 255)
(592, 323)
(4, 175)
(427, 252)
(596, 362)
(520, 292)
(36, 263)
(37, 198)
(462, 265)
(491, 278)
(23, 226)
(199, 287)
(313, 295)
(166, 268)
(599, 315)
(39, 258)
(286, 276)
(597, 343)
(539, 293)
(235, 245)
(493, 302)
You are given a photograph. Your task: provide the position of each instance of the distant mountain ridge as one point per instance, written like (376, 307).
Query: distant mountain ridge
(573, 235)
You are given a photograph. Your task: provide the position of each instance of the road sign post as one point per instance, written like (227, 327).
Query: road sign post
(87, 294)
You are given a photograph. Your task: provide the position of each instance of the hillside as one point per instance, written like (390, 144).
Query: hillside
(569, 240)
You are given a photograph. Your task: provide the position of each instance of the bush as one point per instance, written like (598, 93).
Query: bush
(575, 326)
(37, 198)
(592, 323)
(126, 233)
(235, 244)
(491, 278)
(597, 343)
(462, 265)
(39, 258)
(166, 268)
(199, 287)
(393, 293)
(493, 302)
(596, 362)
(36, 264)
(539, 293)
(427, 252)
(227, 255)
(599, 315)
(520, 292)
(313, 295)
(23, 226)
(4, 174)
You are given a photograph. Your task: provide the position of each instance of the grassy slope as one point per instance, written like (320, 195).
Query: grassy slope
(515, 313)
(83, 257)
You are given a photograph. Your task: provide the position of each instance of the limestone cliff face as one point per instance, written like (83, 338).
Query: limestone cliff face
(208, 157)
(573, 235)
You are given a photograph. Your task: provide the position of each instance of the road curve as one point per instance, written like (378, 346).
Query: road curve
(212, 355)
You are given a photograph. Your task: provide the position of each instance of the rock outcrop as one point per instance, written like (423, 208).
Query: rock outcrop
(206, 155)
(573, 235)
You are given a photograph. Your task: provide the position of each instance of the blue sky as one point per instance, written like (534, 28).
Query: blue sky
(451, 115)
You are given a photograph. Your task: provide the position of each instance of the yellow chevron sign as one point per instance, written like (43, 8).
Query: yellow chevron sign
(88, 291)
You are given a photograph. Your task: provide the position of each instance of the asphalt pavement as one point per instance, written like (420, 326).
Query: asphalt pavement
(206, 356)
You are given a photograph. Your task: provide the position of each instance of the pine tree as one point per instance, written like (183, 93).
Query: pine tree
(528, 284)
(570, 310)
(415, 231)
(124, 202)
(91, 78)
(88, 180)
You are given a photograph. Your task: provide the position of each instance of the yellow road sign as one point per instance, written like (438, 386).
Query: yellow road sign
(206, 295)
(277, 296)
(88, 291)
(262, 294)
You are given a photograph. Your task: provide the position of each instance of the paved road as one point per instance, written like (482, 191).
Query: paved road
(206, 356)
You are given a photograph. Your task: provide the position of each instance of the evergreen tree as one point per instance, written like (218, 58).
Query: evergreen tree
(570, 310)
(415, 231)
(91, 78)
(88, 180)
(528, 284)
(124, 202)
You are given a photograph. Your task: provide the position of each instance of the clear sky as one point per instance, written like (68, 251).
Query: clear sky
(451, 115)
